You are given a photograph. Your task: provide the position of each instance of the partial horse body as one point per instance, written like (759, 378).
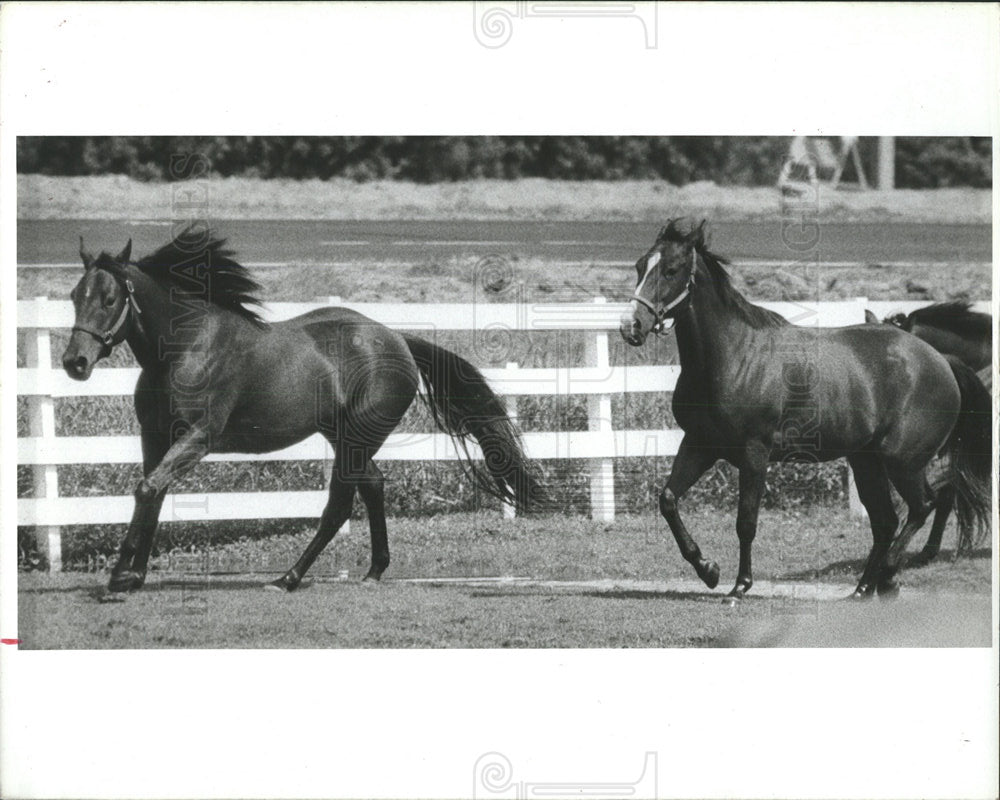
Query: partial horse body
(754, 389)
(217, 378)
(955, 331)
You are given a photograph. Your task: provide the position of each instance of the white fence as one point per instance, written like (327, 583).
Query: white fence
(44, 451)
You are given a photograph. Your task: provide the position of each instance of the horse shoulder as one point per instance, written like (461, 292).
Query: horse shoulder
(147, 396)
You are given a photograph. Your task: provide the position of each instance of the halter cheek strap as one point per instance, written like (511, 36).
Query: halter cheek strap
(660, 315)
(110, 337)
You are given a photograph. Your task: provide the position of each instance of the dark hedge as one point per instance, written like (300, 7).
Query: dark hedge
(726, 160)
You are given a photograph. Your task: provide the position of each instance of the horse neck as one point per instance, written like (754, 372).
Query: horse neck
(709, 331)
(153, 323)
(175, 324)
(141, 334)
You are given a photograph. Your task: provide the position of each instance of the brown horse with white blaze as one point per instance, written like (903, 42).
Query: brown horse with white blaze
(754, 389)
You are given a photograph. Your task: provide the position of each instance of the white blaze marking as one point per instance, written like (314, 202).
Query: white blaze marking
(651, 262)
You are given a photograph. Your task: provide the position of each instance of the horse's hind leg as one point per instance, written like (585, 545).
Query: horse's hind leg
(372, 491)
(912, 487)
(943, 505)
(873, 489)
(753, 471)
(336, 513)
(689, 465)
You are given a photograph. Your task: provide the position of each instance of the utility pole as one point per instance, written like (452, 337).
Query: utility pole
(886, 163)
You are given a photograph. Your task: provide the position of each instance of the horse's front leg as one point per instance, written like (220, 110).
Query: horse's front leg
(690, 464)
(130, 572)
(145, 515)
(753, 471)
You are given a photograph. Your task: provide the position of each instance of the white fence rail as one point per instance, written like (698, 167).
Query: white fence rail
(44, 451)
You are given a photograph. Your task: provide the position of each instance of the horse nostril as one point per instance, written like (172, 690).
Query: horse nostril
(76, 365)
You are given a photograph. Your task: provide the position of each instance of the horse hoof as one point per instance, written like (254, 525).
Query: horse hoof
(372, 577)
(889, 591)
(859, 595)
(127, 581)
(921, 559)
(283, 584)
(710, 574)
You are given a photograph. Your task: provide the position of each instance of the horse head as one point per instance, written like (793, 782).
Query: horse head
(101, 300)
(664, 277)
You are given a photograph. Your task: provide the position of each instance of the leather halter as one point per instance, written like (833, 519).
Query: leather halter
(110, 337)
(660, 315)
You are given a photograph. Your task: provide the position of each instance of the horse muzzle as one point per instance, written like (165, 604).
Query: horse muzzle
(632, 330)
(79, 358)
(78, 367)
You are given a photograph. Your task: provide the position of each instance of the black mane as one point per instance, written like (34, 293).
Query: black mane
(956, 316)
(195, 260)
(683, 231)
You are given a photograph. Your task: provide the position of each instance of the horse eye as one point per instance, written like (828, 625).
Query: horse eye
(109, 300)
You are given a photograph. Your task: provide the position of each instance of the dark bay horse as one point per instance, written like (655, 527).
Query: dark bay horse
(954, 330)
(217, 378)
(755, 389)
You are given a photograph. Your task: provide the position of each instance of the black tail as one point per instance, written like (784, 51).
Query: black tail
(464, 405)
(970, 451)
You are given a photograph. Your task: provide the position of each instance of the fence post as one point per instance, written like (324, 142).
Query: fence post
(602, 470)
(510, 401)
(854, 504)
(344, 529)
(42, 424)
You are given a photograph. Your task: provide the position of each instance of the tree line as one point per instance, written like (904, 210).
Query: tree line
(921, 162)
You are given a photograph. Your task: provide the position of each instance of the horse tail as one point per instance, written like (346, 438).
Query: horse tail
(970, 454)
(463, 405)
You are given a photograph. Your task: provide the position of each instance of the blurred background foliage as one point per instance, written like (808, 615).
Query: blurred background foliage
(921, 162)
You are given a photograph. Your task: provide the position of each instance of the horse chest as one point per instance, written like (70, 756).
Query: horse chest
(700, 409)
(714, 411)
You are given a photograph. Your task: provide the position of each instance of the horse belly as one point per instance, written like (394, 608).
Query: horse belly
(825, 417)
(272, 421)
(801, 436)
(258, 438)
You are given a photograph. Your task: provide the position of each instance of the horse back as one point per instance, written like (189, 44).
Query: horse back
(353, 342)
(974, 352)
(891, 385)
(820, 393)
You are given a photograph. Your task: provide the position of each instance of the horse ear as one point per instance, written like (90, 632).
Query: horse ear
(125, 254)
(870, 318)
(699, 234)
(87, 258)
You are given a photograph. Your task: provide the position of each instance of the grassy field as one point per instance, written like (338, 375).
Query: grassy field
(620, 585)
(451, 279)
(119, 197)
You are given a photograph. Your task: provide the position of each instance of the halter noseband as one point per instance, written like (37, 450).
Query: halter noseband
(109, 338)
(660, 316)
